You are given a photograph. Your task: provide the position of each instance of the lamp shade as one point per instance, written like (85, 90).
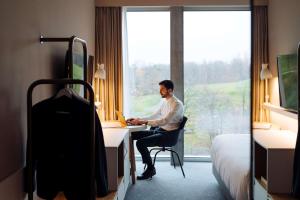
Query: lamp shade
(100, 72)
(265, 72)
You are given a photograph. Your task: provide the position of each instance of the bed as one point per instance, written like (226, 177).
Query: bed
(230, 154)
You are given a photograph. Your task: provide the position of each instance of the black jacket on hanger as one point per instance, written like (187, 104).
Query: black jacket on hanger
(61, 148)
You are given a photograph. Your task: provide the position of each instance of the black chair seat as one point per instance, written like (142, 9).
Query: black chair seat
(167, 146)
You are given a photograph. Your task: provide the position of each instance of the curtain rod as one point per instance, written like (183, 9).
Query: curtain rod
(187, 8)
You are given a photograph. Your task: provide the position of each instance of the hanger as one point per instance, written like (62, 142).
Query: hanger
(67, 92)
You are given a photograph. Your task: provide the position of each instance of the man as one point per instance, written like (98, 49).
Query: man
(167, 120)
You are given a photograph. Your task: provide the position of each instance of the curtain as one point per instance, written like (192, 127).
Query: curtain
(260, 55)
(126, 72)
(109, 52)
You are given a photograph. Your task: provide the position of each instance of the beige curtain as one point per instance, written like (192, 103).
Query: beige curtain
(109, 52)
(260, 55)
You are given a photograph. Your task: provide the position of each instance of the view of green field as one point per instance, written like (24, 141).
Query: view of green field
(215, 109)
(212, 109)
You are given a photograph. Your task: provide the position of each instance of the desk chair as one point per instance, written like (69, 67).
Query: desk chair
(168, 146)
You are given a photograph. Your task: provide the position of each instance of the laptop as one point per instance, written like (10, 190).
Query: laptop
(121, 118)
(120, 123)
(123, 122)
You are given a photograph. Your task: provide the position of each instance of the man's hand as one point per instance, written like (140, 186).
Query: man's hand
(137, 121)
(129, 120)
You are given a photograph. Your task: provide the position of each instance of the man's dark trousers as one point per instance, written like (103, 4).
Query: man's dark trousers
(152, 138)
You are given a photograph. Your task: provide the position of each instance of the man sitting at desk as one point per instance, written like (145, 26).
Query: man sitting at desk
(167, 119)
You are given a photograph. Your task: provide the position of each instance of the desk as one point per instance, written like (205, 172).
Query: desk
(116, 142)
(131, 151)
(118, 165)
(114, 125)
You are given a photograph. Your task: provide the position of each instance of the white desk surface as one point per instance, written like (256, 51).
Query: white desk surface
(275, 139)
(136, 128)
(114, 136)
(116, 124)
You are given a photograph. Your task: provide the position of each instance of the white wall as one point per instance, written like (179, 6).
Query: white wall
(284, 36)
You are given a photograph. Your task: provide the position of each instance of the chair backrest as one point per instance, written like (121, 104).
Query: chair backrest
(177, 132)
(182, 124)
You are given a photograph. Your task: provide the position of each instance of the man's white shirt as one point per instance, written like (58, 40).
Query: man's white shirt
(168, 116)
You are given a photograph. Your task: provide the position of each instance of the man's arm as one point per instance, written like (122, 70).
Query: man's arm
(155, 115)
(176, 107)
(143, 120)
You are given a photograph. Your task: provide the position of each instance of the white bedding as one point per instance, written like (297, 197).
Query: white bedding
(230, 155)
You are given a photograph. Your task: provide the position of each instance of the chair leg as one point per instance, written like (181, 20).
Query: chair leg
(150, 155)
(151, 151)
(173, 159)
(155, 156)
(179, 162)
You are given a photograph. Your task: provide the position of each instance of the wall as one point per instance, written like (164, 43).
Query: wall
(170, 2)
(284, 36)
(22, 60)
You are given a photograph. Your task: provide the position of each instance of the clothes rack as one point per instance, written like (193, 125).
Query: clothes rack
(71, 40)
(29, 158)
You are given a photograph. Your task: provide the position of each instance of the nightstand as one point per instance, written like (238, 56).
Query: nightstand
(273, 163)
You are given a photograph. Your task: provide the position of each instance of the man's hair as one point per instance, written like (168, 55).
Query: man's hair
(167, 83)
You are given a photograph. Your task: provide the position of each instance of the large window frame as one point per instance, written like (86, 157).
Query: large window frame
(176, 68)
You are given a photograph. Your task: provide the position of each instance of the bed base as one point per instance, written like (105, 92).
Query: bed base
(222, 185)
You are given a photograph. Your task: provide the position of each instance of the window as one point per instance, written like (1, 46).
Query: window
(216, 76)
(148, 43)
(216, 71)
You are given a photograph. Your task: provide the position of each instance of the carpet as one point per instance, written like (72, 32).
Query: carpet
(169, 183)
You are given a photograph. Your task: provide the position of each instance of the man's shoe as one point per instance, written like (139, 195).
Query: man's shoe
(147, 174)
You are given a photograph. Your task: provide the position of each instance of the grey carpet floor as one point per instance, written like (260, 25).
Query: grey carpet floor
(169, 184)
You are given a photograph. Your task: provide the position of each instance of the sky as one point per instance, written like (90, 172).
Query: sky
(208, 36)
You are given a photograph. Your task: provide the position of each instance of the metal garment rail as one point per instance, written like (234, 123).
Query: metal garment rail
(29, 158)
(71, 40)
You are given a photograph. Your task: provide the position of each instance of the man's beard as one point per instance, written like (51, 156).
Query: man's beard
(162, 96)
